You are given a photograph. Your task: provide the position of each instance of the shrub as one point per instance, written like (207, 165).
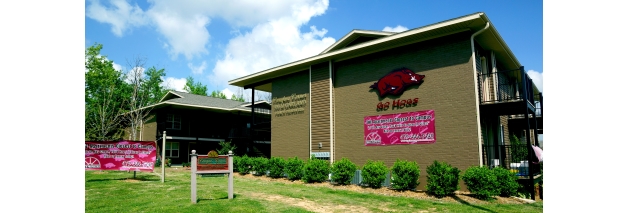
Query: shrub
(186, 164)
(507, 181)
(374, 173)
(343, 171)
(276, 167)
(294, 169)
(226, 147)
(168, 162)
(481, 181)
(244, 164)
(442, 179)
(259, 165)
(315, 170)
(405, 175)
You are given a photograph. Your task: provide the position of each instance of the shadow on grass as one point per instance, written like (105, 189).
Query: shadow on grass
(468, 204)
(221, 198)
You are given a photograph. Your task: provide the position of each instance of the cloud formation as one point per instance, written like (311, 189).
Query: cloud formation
(273, 43)
(176, 84)
(537, 78)
(272, 33)
(197, 69)
(396, 29)
(120, 15)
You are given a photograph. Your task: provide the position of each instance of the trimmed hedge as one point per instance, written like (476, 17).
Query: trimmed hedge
(405, 175)
(294, 168)
(507, 181)
(259, 165)
(442, 179)
(316, 170)
(481, 181)
(276, 167)
(343, 171)
(243, 164)
(374, 173)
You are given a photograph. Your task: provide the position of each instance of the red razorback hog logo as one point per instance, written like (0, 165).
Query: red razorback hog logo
(396, 82)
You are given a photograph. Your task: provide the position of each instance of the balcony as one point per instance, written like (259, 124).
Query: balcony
(512, 157)
(508, 92)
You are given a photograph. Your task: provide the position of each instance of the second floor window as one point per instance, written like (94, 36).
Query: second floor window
(173, 121)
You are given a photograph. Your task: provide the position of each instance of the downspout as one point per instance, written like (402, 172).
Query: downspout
(474, 60)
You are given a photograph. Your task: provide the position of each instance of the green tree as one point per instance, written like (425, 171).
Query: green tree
(240, 98)
(145, 91)
(105, 93)
(218, 94)
(195, 88)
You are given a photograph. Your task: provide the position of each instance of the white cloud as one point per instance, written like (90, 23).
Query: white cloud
(227, 93)
(121, 15)
(396, 29)
(174, 83)
(537, 78)
(272, 43)
(130, 75)
(117, 66)
(197, 69)
(184, 23)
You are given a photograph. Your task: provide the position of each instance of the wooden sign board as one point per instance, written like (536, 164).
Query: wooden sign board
(205, 163)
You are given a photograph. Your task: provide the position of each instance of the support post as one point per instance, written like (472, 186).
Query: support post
(251, 129)
(193, 177)
(163, 153)
(230, 175)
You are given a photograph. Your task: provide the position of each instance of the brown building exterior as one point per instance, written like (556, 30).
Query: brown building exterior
(472, 81)
(196, 122)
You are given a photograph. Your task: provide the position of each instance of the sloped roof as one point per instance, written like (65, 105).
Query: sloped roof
(201, 101)
(344, 49)
(354, 35)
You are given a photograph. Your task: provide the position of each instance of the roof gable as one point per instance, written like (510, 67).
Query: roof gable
(356, 37)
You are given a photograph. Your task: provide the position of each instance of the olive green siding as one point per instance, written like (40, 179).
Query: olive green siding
(448, 89)
(320, 102)
(290, 133)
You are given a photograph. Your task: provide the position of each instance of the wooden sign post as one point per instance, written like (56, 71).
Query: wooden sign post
(210, 164)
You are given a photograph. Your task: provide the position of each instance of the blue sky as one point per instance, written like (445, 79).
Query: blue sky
(217, 41)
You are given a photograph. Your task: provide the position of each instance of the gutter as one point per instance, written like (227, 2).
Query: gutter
(474, 60)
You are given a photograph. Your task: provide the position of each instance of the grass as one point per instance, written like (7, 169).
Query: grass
(115, 191)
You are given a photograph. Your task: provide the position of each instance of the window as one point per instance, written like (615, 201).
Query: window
(173, 122)
(172, 150)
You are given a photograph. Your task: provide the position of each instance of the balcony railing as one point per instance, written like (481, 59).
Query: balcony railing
(505, 86)
(511, 157)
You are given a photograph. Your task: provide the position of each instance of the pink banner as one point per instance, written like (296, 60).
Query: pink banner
(123, 155)
(402, 128)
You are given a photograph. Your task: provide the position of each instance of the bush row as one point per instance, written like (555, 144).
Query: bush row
(442, 178)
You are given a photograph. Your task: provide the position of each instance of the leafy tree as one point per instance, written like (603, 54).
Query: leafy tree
(195, 88)
(105, 93)
(238, 96)
(145, 90)
(218, 94)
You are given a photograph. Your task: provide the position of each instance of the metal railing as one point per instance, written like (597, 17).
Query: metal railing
(511, 157)
(505, 86)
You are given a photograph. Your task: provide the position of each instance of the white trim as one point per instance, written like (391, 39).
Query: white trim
(170, 151)
(476, 81)
(194, 138)
(359, 46)
(211, 139)
(169, 92)
(310, 112)
(330, 108)
(358, 34)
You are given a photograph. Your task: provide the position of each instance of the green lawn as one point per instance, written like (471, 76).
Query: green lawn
(114, 191)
